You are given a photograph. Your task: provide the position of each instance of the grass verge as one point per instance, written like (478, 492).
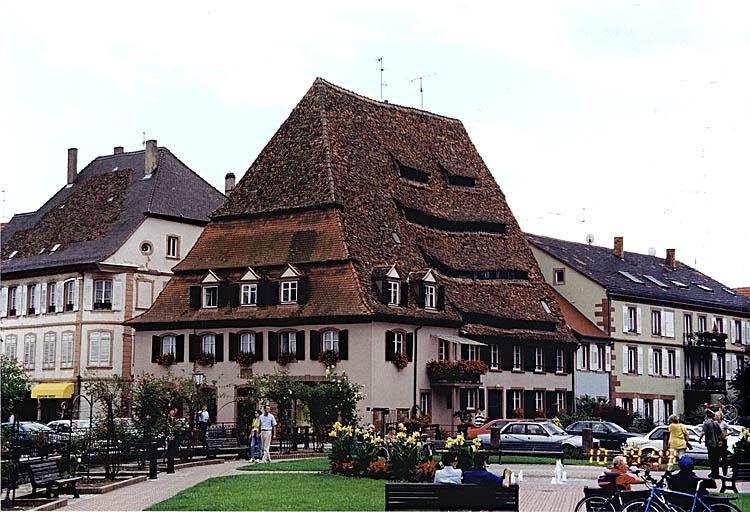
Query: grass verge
(316, 464)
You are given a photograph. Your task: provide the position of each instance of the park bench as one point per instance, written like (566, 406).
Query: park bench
(530, 448)
(216, 444)
(740, 473)
(425, 496)
(46, 475)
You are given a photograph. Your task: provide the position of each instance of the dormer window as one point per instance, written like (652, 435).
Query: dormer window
(249, 295)
(289, 292)
(430, 296)
(210, 296)
(394, 295)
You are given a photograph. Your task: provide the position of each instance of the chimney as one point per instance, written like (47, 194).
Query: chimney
(671, 261)
(228, 183)
(72, 165)
(619, 251)
(150, 157)
(119, 150)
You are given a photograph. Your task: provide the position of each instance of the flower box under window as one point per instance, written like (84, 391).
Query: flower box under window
(456, 371)
(102, 305)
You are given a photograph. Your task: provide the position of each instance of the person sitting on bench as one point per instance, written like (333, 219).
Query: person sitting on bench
(450, 474)
(479, 475)
(685, 480)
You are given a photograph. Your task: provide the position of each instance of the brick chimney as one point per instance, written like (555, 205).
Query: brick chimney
(150, 163)
(72, 165)
(671, 261)
(619, 250)
(119, 150)
(228, 183)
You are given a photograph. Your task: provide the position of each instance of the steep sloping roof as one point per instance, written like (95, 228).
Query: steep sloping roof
(107, 201)
(582, 326)
(603, 267)
(340, 156)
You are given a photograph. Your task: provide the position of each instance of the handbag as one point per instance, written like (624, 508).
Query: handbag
(684, 433)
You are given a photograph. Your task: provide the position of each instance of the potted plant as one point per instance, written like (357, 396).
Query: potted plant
(165, 359)
(400, 360)
(328, 358)
(285, 358)
(205, 359)
(245, 359)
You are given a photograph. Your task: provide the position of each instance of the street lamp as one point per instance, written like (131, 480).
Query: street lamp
(198, 378)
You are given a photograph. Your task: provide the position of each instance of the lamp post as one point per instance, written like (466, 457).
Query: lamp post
(198, 378)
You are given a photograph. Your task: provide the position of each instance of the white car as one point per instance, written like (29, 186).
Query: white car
(540, 432)
(74, 428)
(653, 442)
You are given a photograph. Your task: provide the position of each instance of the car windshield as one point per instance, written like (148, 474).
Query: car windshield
(553, 429)
(614, 427)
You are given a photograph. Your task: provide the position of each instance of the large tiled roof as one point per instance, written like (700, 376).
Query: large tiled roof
(332, 172)
(107, 201)
(603, 267)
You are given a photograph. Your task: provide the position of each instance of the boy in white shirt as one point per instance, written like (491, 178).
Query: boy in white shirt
(450, 474)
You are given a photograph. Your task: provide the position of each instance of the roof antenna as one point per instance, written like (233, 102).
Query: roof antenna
(382, 84)
(143, 143)
(421, 90)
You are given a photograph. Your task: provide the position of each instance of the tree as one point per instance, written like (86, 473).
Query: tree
(14, 383)
(740, 383)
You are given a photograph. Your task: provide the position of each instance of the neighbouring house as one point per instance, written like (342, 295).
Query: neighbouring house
(743, 291)
(679, 335)
(371, 236)
(95, 254)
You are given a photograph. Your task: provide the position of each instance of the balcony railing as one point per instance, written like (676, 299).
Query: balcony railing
(706, 384)
(454, 372)
(709, 340)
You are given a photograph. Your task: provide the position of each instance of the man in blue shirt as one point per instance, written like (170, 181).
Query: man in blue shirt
(267, 424)
(480, 476)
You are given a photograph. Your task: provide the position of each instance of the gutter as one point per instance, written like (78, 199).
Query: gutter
(414, 390)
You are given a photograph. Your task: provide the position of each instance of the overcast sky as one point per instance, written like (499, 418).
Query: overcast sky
(627, 118)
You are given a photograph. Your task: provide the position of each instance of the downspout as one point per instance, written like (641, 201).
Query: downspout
(609, 333)
(414, 391)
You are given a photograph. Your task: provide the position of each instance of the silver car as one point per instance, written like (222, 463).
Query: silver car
(539, 432)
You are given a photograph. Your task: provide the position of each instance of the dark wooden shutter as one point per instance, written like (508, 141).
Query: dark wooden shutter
(463, 398)
(155, 347)
(568, 401)
(303, 290)
(390, 337)
(419, 290)
(273, 345)
(528, 404)
(234, 348)
(315, 348)
(300, 346)
(550, 358)
(550, 404)
(179, 355)
(506, 355)
(528, 357)
(404, 289)
(223, 295)
(219, 356)
(484, 353)
(344, 345)
(464, 351)
(273, 293)
(385, 297)
(440, 298)
(234, 295)
(195, 297)
(509, 403)
(480, 392)
(258, 346)
(568, 356)
(194, 348)
(409, 339)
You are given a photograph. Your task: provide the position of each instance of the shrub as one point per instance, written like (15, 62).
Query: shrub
(694, 417)
(642, 423)
(615, 414)
(405, 454)
(742, 448)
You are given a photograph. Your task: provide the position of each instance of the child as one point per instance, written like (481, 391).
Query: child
(254, 446)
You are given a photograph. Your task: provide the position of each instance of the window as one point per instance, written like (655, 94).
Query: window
(538, 360)
(10, 346)
(655, 322)
(429, 296)
(560, 400)
(51, 297)
(210, 296)
(471, 398)
(208, 344)
(517, 357)
(100, 343)
(668, 408)
(671, 363)
(632, 319)
(288, 292)
(687, 326)
(585, 349)
(472, 353)
(249, 295)
(29, 351)
(247, 343)
(494, 357)
(32, 299)
(288, 342)
(719, 324)
(331, 341)
(443, 350)
(66, 350)
(103, 294)
(539, 400)
(48, 354)
(602, 355)
(560, 361)
(702, 323)
(627, 404)
(517, 403)
(169, 344)
(393, 293)
(632, 360)
(13, 301)
(425, 402)
(657, 362)
(558, 276)
(630, 276)
(545, 307)
(173, 246)
(737, 331)
(70, 292)
(398, 342)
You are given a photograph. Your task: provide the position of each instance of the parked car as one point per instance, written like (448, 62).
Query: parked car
(473, 432)
(610, 435)
(654, 441)
(75, 428)
(32, 436)
(538, 431)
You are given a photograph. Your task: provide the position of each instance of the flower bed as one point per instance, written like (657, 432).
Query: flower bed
(456, 371)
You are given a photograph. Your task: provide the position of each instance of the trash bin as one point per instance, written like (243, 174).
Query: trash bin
(495, 437)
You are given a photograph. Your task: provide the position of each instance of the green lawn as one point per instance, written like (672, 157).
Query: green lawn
(742, 502)
(280, 492)
(316, 464)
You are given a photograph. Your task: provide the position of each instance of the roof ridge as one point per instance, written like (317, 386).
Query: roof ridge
(327, 145)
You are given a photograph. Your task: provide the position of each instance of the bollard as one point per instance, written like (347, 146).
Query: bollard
(588, 440)
(152, 469)
(171, 445)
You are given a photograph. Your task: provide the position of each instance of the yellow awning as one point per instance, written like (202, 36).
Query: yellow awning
(52, 390)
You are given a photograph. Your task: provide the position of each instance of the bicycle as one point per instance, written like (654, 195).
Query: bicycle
(658, 501)
(729, 409)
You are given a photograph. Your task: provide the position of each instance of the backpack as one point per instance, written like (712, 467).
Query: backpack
(607, 479)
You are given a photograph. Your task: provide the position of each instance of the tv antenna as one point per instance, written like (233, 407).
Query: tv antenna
(589, 239)
(421, 89)
(143, 142)
(382, 84)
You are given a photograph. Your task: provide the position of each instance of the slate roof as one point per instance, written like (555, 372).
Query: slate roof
(602, 266)
(105, 204)
(326, 190)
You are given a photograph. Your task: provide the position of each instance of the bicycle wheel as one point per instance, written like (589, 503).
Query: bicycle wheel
(640, 506)
(730, 413)
(595, 504)
(725, 507)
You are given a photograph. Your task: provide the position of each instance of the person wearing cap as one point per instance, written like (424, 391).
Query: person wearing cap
(685, 480)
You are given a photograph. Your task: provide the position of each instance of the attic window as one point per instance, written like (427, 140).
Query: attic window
(703, 287)
(395, 237)
(12, 254)
(546, 307)
(679, 284)
(656, 281)
(110, 198)
(42, 250)
(455, 226)
(461, 181)
(630, 276)
(412, 174)
(730, 292)
(54, 248)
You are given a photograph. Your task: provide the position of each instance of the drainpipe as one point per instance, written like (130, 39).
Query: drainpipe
(414, 391)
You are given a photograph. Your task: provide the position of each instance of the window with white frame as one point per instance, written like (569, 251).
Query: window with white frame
(103, 294)
(29, 351)
(425, 402)
(517, 399)
(560, 361)
(100, 344)
(585, 349)
(10, 346)
(627, 404)
(538, 360)
(671, 363)
(632, 319)
(655, 322)
(51, 297)
(247, 343)
(702, 323)
(560, 400)
(443, 350)
(494, 356)
(249, 296)
(169, 344)
(208, 344)
(31, 299)
(173, 246)
(429, 296)
(472, 352)
(13, 301)
(558, 276)
(539, 400)
(210, 296)
(66, 349)
(687, 326)
(393, 293)
(69, 292)
(657, 362)
(48, 352)
(398, 342)
(737, 331)
(288, 292)
(288, 342)
(668, 408)
(471, 398)
(601, 351)
(331, 341)
(719, 324)
(517, 362)
(632, 360)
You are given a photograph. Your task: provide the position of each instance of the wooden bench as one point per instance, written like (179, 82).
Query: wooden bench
(531, 448)
(411, 496)
(214, 445)
(46, 475)
(740, 473)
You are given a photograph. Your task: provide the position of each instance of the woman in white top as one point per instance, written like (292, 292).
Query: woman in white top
(450, 474)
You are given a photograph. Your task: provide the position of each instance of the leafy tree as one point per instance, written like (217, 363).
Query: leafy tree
(740, 383)
(14, 383)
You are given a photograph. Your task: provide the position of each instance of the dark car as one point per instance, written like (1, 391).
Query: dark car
(610, 435)
(31, 438)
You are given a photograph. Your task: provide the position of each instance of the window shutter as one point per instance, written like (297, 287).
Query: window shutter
(746, 336)
(509, 403)
(593, 355)
(409, 339)
(650, 361)
(506, 356)
(678, 363)
(728, 367)
(384, 295)
(714, 363)
(669, 324)
(117, 293)
(179, 352)
(463, 398)
(464, 351)
(608, 358)
(404, 289)
(528, 358)
(315, 345)
(624, 359)
(618, 402)
(234, 342)
(579, 356)
(420, 291)
(273, 293)
(42, 302)
(94, 340)
(21, 293)
(528, 403)
(640, 361)
(234, 295)
(549, 357)
(195, 297)
(76, 293)
(344, 345)
(567, 361)
(59, 296)
(663, 321)
(155, 347)
(273, 345)
(624, 319)
(389, 339)
(480, 401)
(550, 403)
(303, 290)
(300, 345)
(484, 354)
(88, 293)
(3, 302)
(664, 362)
(194, 348)
(258, 346)
(440, 298)
(223, 300)
(219, 355)
(640, 320)
(38, 298)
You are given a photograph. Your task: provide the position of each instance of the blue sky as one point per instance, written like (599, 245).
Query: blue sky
(609, 118)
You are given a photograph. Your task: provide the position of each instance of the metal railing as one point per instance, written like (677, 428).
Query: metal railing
(706, 384)
(706, 340)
